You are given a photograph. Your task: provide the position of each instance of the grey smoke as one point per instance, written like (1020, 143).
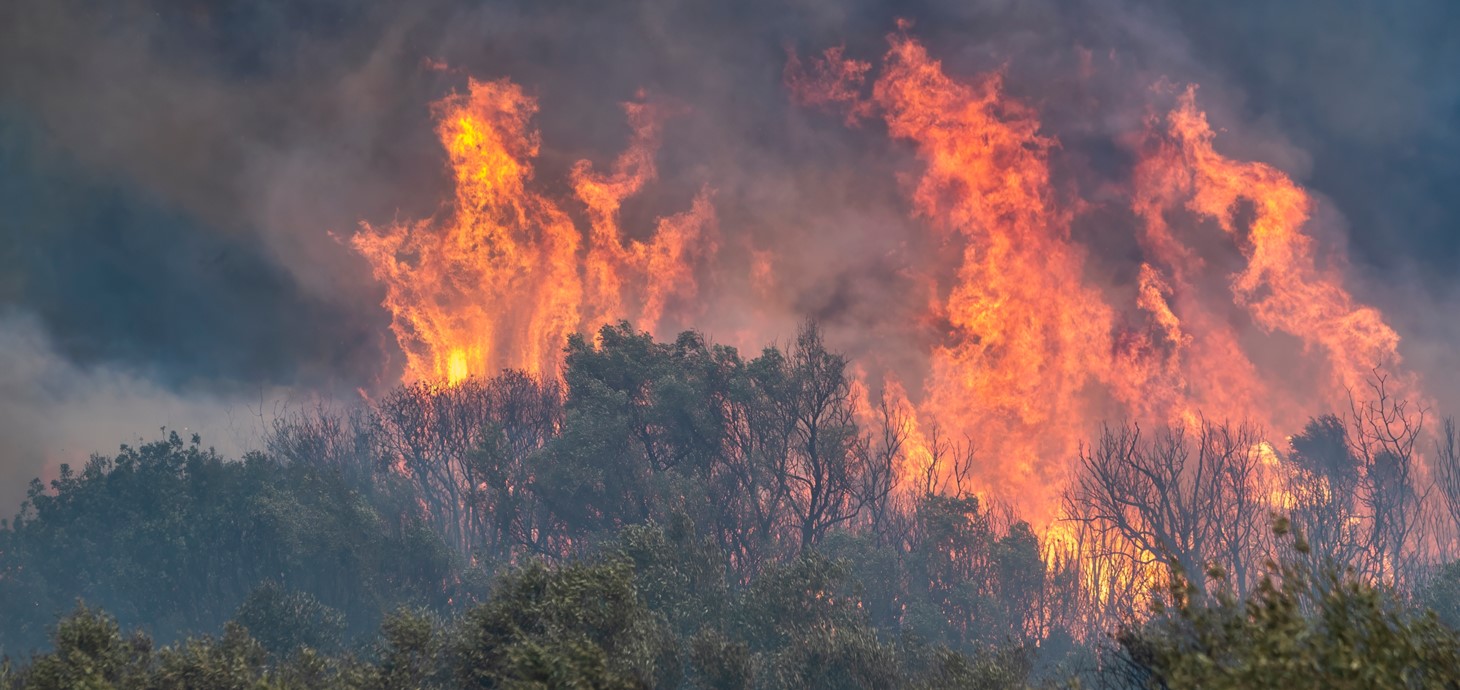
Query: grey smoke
(175, 175)
(54, 411)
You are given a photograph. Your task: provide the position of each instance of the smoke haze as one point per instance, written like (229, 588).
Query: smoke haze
(178, 178)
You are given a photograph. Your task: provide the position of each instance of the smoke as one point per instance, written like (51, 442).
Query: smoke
(53, 411)
(177, 176)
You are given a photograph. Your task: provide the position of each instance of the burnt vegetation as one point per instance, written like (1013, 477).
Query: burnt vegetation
(675, 515)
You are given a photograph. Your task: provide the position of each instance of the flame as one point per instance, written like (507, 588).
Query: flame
(662, 264)
(1282, 286)
(1279, 495)
(1037, 352)
(1026, 334)
(456, 366)
(504, 276)
(1036, 347)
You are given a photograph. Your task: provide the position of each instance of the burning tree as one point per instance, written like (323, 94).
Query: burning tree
(465, 448)
(1186, 498)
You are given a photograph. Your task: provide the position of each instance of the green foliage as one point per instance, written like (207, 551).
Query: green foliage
(1441, 594)
(284, 622)
(674, 516)
(679, 575)
(90, 654)
(644, 423)
(233, 661)
(939, 668)
(171, 536)
(1297, 630)
(579, 626)
(412, 653)
(789, 600)
(881, 573)
(765, 454)
(808, 626)
(720, 663)
(830, 657)
(719, 494)
(961, 582)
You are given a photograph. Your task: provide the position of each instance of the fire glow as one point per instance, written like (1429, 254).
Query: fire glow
(504, 276)
(1037, 354)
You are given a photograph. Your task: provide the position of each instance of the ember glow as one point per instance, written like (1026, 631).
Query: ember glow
(1034, 349)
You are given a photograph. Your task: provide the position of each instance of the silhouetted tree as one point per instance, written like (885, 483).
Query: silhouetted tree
(1447, 477)
(1324, 489)
(461, 445)
(1186, 500)
(1383, 432)
(823, 466)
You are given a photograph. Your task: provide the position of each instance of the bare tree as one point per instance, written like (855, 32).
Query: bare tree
(1323, 486)
(949, 464)
(1098, 579)
(342, 441)
(754, 500)
(1188, 502)
(1241, 510)
(462, 447)
(822, 469)
(1383, 432)
(525, 414)
(1446, 465)
(881, 451)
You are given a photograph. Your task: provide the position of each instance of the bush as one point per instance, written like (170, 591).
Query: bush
(1297, 630)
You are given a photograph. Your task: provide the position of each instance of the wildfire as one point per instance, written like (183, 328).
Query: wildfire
(1036, 350)
(1281, 286)
(503, 276)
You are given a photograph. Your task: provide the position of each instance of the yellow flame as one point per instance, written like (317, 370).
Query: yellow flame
(503, 278)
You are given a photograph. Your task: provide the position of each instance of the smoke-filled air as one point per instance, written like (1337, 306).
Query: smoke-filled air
(1107, 343)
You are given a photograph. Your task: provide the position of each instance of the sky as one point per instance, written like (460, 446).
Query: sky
(177, 177)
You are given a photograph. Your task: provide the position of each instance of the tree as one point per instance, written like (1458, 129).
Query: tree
(1297, 630)
(411, 653)
(679, 574)
(285, 622)
(806, 624)
(581, 625)
(952, 563)
(90, 652)
(1383, 432)
(174, 537)
(1447, 474)
(644, 432)
(1185, 501)
(1325, 489)
(464, 448)
(822, 469)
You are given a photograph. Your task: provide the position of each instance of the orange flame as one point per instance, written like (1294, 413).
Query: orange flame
(1035, 356)
(1036, 349)
(1282, 285)
(505, 276)
(1026, 335)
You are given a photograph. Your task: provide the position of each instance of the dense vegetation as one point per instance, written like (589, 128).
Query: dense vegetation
(678, 516)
